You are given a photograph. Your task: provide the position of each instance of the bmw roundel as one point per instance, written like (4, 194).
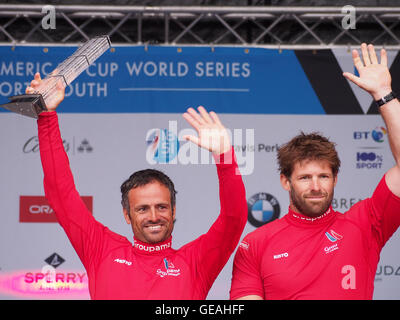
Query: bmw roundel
(262, 208)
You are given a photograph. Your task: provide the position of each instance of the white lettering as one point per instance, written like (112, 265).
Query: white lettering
(38, 209)
(49, 20)
(331, 248)
(123, 261)
(349, 20)
(152, 248)
(219, 69)
(221, 309)
(282, 255)
(87, 89)
(160, 68)
(349, 280)
(24, 68)
(172, 310)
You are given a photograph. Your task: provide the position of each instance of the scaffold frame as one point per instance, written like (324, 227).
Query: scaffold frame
(244, 26)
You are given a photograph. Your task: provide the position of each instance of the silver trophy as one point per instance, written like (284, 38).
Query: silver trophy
(32, 105)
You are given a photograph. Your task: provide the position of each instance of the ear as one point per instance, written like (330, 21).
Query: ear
(285, 182)
(127, 216)
(173, 213)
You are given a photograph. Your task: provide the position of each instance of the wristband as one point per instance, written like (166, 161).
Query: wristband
(386, 99)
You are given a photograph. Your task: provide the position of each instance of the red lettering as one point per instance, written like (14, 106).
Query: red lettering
(49, 277)
(81, 276)
(29, 277)
(71, 276)
(60, 277)
(39, 276)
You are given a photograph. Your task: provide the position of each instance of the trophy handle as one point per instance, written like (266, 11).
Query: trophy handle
(30, 105)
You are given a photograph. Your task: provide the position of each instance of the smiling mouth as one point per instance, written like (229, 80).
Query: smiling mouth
(154, 228)
(321, 197)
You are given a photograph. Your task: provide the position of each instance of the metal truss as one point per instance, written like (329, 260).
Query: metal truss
(255, 26)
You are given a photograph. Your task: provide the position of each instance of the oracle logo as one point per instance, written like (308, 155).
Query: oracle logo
(37, 209)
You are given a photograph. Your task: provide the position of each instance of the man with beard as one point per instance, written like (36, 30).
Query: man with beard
(314, 252)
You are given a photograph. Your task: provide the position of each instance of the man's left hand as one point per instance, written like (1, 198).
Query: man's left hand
(374, 76)
(212, 135)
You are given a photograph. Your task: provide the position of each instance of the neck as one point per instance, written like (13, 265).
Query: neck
(297, 217)
(152, 248)
(297, 210)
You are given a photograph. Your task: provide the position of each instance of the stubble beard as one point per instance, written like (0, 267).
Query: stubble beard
(307, 209)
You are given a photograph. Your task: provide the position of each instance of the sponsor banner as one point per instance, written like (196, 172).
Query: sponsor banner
(37, 208)
(125, 114)
(44, 283)
(49, 282)
(170, 79)
(121, 146)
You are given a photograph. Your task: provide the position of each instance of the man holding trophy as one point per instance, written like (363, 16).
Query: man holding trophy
(149, 268)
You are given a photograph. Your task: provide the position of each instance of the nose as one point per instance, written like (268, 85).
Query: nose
(315, 184)
(153, 214)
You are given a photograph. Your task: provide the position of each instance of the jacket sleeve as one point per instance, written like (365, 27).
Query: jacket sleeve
(246, 277)
(377, 216)
(213, 249)
(84, 232)
(383, 213)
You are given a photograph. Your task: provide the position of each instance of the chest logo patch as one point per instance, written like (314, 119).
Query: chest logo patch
(170, 270)
(333, 236)
(123, 261)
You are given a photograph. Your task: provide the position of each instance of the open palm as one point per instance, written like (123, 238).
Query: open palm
(212, 135)
(374, 76)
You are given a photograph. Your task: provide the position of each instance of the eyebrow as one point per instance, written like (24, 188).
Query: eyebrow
(145, 205)
(310, 174)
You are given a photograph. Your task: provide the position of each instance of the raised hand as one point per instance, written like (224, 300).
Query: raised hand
(37, 84)
(212, 135)
(374, 76)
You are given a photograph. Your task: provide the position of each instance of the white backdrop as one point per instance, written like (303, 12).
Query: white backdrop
(118, 148)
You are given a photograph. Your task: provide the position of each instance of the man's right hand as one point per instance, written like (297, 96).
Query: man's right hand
(37, 84)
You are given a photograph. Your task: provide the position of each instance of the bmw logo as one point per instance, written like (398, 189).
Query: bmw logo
(262, 208)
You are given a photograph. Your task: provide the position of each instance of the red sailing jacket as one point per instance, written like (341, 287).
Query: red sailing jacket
(118, 269)
(334, 256)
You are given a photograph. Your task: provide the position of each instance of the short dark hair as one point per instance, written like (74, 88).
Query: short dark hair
(312, 146)
(143, 177)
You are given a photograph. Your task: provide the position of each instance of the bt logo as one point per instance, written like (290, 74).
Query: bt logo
(376, 134)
